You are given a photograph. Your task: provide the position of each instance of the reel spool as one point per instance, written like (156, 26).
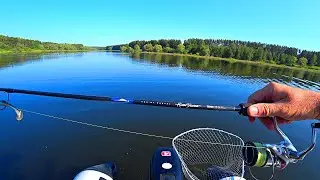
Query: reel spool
(256, 155)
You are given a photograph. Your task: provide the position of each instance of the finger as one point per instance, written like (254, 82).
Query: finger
(258, 96)
(282, 121)
(263, 95)
(266, 110)
(251, 119)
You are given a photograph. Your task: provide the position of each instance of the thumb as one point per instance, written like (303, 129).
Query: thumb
(263, 110)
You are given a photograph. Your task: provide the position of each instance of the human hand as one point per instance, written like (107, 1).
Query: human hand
(285, 103)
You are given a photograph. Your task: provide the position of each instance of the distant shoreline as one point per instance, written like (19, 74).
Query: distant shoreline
(46, 51)
(311, 69)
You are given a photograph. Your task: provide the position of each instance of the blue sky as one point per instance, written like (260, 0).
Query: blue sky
(92, 22)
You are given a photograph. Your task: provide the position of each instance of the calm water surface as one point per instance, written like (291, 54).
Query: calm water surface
(44, 148)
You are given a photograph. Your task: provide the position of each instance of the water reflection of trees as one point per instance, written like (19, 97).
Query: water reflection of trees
(227, 67)
(18, 59)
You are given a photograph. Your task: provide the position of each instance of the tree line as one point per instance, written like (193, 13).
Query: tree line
(242, 50)
(20, 44)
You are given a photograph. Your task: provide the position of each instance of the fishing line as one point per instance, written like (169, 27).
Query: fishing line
(8, 99)
(273, 167)
(149, 135)
(97, 126)
(128, 131)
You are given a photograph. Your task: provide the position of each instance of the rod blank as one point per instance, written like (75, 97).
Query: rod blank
(124, 100)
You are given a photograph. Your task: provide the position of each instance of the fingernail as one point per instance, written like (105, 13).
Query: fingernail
(253, 110)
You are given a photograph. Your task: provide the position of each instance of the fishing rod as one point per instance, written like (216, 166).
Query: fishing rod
(241, 108)
(255, 154)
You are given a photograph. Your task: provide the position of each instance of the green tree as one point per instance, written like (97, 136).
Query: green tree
(303, 61)
(137, 48)
(269, 56)
(216, 47)
(3, 46)
(277, 58)
(130, 50)
(19, 44)
(228, 53)
(110, 48)
(291, 60)
(168, 49)
(50, 46)
(181, 49)
(247, 53)
(173, 43)
(239, 52)
(164, 43)
(204, 50)
(157, 48)
(20, 47)
(123, 48)
(314, 60)
(258, 54)
(217, 51)
(191, 48)
(233, 49)
(148, 47)
(264, 55)
(283, 58)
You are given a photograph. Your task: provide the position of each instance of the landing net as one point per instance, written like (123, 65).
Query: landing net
(210, 154)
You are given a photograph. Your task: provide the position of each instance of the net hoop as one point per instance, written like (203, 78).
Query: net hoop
(205, 133)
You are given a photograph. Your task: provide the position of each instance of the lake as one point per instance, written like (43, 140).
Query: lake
(44, 148)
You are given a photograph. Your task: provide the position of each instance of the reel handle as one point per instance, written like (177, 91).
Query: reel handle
(303, 153)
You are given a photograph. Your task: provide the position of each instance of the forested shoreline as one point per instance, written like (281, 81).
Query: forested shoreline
(240, 50)
(229, 49)
(14, 44)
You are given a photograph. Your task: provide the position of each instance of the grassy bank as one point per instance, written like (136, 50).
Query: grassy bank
(308, 68)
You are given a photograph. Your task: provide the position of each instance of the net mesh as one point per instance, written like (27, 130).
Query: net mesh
(209, 154)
